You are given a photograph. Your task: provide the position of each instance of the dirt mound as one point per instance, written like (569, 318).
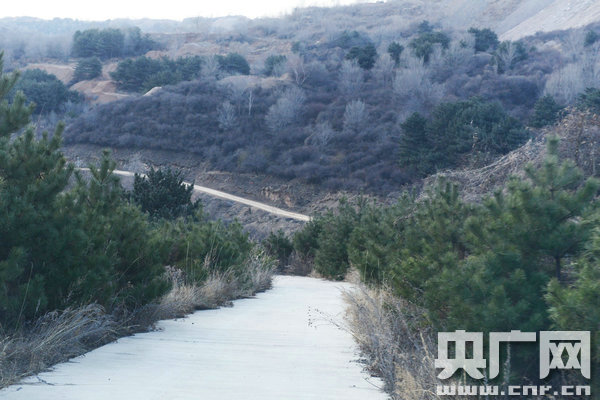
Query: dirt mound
(108, 68)
(63, 72)
(579, 134)
(99, 91)
(198, 49)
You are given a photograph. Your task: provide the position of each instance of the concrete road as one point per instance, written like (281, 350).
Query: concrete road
(222, 195)
(277, 346)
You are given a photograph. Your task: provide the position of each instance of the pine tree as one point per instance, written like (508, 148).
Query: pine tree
(331, 259)
(520, 240)
(577, 307)
(122, 248)
(414, 143)
(64, 247)
(545, 112)
(32, 175)
(163, 194)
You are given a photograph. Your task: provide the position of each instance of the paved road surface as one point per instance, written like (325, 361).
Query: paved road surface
(272, 347)
(217, 193)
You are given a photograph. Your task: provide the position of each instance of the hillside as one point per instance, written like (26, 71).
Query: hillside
(511, 19)
(558, 15)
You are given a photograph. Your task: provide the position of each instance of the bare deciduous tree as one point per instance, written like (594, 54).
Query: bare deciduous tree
(355, 116)
(241, 92)
(210, 69)
(408, 80)
(286, 110)
(321, 134)
(412, 85)
(574, 44)
(250, 96)
(590, 64)
(384, 69)
(295, 64)
(350, 79)
(507, 54)
(566, 83)
(227, 116)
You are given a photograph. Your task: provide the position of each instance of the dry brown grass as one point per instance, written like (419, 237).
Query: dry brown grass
(59, 336)
(400, 347)
(54, 338)
(395, 339)
(218, 289)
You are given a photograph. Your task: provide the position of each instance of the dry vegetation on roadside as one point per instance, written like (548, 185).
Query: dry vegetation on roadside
(399, 346)
(59, 336)
(395, 339)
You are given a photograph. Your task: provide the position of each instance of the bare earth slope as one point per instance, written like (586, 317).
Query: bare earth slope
(559, 15)
(515, 19)
(275, 346)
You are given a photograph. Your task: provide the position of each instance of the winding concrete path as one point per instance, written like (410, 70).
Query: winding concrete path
(280, 345)
(223, 195)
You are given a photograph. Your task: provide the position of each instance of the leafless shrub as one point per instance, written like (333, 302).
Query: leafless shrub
(574, 44)
(350, 79)
(286, 110)
(210, 69)
(295, 64)
(507, 54)
(321, 134)
(259, 271)
(383, 70)
(355, 116)
(412, 84)
(590, 64)
(227, 116)
(566, 83)
(443, 64)
(409, 77)
(54, 338)
(218, 289)
(317, 73)
(135, 164)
